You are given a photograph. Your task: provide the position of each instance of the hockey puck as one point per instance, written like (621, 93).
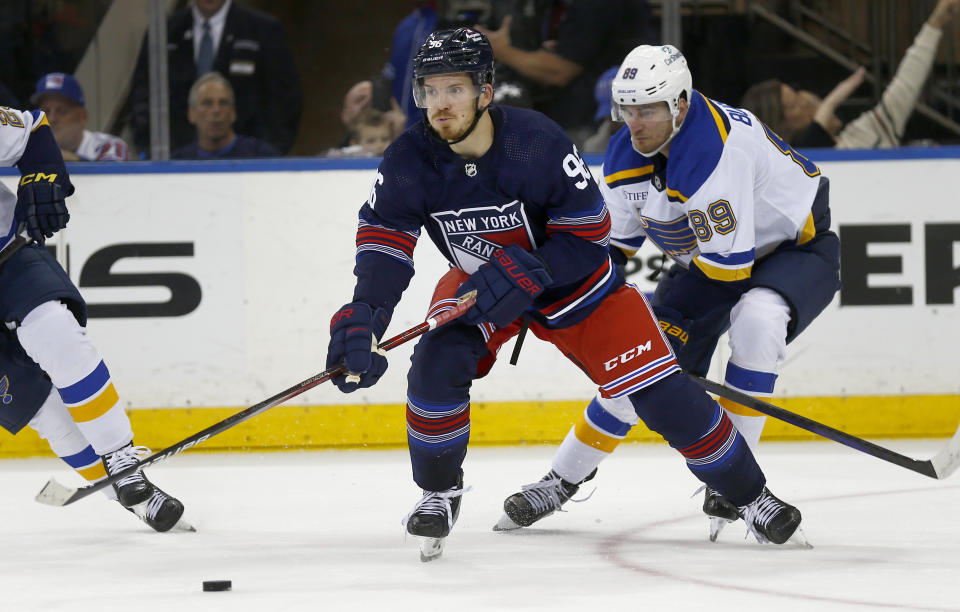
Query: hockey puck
(217, 585)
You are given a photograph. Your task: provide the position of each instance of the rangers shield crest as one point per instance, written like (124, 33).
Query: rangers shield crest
(473, 234)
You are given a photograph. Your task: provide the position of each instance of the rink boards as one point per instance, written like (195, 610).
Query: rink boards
(211, 286)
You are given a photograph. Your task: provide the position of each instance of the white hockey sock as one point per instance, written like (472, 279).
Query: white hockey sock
(55, 425)
(51, 336)
(749, 426)
(602, 426)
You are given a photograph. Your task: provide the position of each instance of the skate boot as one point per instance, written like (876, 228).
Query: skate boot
(433, 517)
(538, 500)
(770, 519)
(135, 488)
(719, 511)
(162, 512)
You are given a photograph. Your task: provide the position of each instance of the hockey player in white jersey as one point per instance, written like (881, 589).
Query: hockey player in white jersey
(746, 220)
(52, 378)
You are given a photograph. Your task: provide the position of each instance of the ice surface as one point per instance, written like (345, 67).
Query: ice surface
(321, 531)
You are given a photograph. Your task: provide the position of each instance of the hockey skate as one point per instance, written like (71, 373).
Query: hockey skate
(538, 500)
(433, 517)
(718, 510)
(771, 520)
(133, 489)
(162, 512)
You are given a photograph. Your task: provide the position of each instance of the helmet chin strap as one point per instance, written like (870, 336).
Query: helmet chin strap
(676, 128)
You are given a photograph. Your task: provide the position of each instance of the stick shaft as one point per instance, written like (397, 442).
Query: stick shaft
(462, 306)
(921, 467)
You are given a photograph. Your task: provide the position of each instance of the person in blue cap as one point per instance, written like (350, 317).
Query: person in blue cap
(60, 97)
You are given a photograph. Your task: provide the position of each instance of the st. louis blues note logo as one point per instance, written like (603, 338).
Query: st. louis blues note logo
(5, 397)
(473, 234)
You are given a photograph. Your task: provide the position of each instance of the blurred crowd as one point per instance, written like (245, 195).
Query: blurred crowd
(234, 91)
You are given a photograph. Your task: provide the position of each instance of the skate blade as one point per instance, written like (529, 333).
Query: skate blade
(716, 526)
(505, 524)
(799, 539)
(181, 525)
(430, 549)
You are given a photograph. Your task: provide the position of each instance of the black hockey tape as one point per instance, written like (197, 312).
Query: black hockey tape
(217, 585)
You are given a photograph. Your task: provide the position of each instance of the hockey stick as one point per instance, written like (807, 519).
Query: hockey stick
(56, 494)
(941, 466)
(15, 245)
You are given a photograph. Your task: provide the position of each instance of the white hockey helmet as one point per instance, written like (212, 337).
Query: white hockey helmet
(651, 74)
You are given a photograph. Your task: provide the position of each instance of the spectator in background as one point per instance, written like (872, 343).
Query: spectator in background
(391, 91)
(371, 132)
(213, 113)
(805, 121)
(60, 97)
(563, 47)
(247, 46)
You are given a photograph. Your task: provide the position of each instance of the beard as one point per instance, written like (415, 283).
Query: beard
(450, 130)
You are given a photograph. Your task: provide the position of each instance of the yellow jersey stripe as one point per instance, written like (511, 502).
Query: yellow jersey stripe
(723, 274)
(808, 231)
(676, 194)
(42, 123)
(629, 173)
(716, 118)
(97, 406)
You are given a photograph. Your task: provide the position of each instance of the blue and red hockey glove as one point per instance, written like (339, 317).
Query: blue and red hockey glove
(506, 286)
(354, 333)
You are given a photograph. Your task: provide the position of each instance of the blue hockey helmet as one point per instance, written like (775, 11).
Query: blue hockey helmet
(452, 51)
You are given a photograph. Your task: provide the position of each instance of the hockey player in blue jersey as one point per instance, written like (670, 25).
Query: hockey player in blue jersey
(52, 378)
(504, 195)
(746, 220)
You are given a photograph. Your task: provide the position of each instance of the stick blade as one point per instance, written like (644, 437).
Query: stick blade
(55, 494)
(948, 459)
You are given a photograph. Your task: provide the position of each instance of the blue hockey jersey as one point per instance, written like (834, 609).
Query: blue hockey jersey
(530, 188)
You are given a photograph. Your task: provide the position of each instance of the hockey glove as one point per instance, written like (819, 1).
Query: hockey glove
(354, 333)
(42, 209)
(506, 286)
(675, 327)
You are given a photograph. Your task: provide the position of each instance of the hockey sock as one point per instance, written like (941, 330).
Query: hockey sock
(52, 337)
(592, 439)
(437, 435)
(55, 425)
(695, 425)
(752, 382)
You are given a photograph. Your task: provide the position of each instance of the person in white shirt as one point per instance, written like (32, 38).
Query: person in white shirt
(60, 97)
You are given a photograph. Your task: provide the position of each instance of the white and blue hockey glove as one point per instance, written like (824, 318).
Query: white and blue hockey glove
(354, 333)
(506, 286)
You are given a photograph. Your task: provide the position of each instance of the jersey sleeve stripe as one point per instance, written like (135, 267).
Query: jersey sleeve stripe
(39, 120)
(594, 228)
(380, 239)
(723, 273)
(808, 231)
(593, 288)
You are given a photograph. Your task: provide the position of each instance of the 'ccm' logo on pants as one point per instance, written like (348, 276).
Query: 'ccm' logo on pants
(625, 357)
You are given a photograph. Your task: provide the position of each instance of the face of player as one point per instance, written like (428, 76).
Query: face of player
(651, 125)
(374, 138)
(214, 112)
(451, 102)
(67, 119)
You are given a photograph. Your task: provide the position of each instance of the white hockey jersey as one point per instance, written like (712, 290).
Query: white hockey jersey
(15, 129)
(730, 192)
(98, 146)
